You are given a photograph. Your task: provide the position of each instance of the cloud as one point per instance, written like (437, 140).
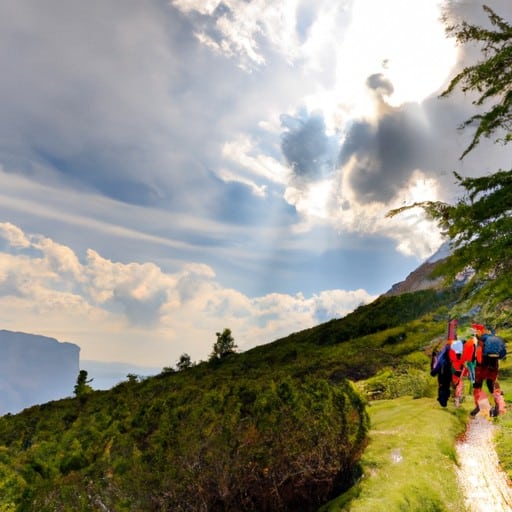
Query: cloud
(140, 311)
(378, 82)
(308, 150)
(251, 166)
(384, 153)
(116, 108)
(350, 182)
(230, 28)
(244, 30)
(59, 259)
(14, 235)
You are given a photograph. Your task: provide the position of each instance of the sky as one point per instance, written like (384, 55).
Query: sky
(169, 169)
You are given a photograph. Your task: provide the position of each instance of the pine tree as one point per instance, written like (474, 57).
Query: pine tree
(490, 78)
(224, 346)
(82, 384)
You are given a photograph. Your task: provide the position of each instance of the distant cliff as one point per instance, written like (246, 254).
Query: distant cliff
(35, 369)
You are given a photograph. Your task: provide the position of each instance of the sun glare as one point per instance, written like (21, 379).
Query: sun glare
(313, 200)
(415, 56)
(422, 189)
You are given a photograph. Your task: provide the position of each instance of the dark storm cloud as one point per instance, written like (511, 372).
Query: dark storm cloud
(379, 83)
(306, 146)
(422, 135)
(385, 152)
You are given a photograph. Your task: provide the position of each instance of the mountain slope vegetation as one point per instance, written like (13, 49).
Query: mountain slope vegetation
(281, 427)
(276, 428)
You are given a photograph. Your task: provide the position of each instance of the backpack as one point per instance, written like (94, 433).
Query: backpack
(439, 362)
(494, 346)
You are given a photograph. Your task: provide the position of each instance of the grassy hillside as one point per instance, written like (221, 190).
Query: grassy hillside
(279, 427)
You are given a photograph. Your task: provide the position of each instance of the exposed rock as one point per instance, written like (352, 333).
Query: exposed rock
(419, 279)
(35, 369)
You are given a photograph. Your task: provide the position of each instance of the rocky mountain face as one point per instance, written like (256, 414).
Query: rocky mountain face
(421, 278)
(35, 369)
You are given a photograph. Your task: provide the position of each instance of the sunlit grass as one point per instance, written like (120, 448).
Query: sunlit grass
(410, 462)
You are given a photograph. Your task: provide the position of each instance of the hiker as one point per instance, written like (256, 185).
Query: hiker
(484, 350)
(441, 366)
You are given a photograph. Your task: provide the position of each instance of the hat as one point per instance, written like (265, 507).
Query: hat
(478, 328)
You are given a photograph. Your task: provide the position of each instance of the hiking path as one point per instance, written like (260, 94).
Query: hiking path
(485, 485)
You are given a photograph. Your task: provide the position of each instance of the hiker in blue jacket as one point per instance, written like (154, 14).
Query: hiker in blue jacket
(441, 367)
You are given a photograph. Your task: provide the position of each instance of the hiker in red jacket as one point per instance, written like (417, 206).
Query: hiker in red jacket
(485, 360)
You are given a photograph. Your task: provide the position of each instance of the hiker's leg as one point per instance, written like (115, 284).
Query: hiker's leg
(478, 394)
(459, 391)
(499, 400)
(497, 393)
(457, 387)
(444, 391)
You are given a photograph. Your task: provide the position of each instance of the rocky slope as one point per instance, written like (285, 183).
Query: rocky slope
(421, 278)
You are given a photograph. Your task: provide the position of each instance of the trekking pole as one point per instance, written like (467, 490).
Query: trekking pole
(470, 365)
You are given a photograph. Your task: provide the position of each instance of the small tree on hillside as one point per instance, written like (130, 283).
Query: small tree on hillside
(184, 362)
(82, 384)
(224, 346)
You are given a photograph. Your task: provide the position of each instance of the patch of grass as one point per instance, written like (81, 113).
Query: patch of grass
(409, 463)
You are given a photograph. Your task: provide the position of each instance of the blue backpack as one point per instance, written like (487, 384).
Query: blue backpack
(494, 346)
(439, 362)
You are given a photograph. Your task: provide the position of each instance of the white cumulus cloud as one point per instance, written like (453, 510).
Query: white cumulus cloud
(137, 311)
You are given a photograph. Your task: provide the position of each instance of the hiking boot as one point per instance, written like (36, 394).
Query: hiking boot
(475, 411)
(494, 412)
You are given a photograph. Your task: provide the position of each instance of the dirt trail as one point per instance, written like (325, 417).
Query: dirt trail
(485, 484)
